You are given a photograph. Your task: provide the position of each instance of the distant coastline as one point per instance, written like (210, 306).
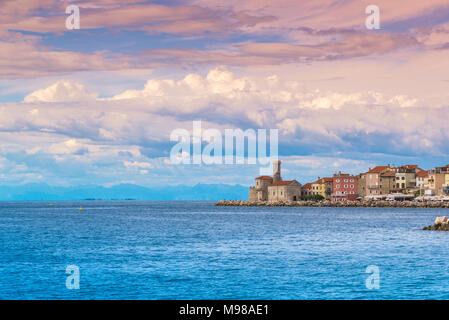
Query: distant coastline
(121, 192)
(342, 204)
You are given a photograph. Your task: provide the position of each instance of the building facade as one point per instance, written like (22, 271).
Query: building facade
(260, 191)
(387, 182)
(344, 187)
(284, 191)
(306, 190)
(446, 183)
(434, 180)
(322, 187)
(406, 177)
(422, 179)
(274, 188)
(316, 188)
(437, 181)
(361, 185)
(375, 184)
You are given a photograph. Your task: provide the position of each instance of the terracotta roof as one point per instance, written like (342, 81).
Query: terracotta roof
(423, 174)
(343, 175)
(307, 186)
(388, 174)
(281, 183)
(378, 169)
(264, 178)
(322, 180)
(410, 166)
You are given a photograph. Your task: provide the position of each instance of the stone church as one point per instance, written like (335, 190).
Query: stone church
(274, 188)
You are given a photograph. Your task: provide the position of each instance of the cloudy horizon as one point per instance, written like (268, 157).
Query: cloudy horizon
(97, 105)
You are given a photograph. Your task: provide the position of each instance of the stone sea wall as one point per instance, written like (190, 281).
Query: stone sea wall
(362, 204)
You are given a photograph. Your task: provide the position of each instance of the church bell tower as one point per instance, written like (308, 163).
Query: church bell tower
(277, 171)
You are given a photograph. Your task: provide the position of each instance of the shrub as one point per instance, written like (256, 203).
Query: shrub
(314, 197)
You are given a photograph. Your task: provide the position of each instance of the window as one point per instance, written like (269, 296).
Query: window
(337, 186)
(352, 180)
(338, 180)
(346, 185)
(346, 180)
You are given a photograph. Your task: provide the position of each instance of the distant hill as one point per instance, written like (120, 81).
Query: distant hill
(44, 192)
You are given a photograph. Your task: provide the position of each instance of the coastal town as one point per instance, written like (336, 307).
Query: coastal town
(407, 184)
(388, 182)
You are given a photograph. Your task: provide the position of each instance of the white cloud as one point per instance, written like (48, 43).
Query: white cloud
(71, 146)
(137, 164)
(124, 133)
(146, 117)
(61, 91)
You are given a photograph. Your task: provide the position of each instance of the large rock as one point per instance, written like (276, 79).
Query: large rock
(441, 220)
(440, 224)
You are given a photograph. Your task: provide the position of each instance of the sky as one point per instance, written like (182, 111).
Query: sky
(97, 105)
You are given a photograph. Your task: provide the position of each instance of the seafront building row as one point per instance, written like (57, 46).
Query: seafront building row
(379, 183)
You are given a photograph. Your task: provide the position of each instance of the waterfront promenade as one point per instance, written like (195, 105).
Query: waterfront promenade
(361, 204)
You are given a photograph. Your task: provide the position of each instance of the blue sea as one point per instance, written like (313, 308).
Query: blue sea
(194, 250)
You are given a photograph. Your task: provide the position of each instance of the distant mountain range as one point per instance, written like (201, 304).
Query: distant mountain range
(44, 192)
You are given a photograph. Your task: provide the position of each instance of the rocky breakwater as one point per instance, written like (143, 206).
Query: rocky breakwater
(347, 204)
(440, 224)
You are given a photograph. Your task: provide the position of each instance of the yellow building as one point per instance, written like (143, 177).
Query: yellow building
(438, 181)
(322, 187)
(316, 188)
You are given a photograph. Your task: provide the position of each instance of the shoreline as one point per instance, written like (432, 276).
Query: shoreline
(343, 204)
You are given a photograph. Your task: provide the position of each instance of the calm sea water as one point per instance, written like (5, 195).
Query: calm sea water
(194, 250)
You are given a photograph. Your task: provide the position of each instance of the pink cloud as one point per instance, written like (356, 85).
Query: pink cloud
(26, 58)
(182, 19)
(307, 32)
(352, 45)
(19, 59)
(327, 14)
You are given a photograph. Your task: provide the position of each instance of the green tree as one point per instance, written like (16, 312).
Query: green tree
(314, 197)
